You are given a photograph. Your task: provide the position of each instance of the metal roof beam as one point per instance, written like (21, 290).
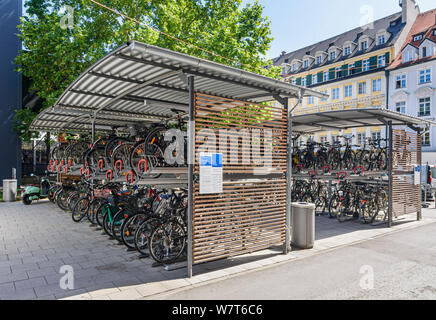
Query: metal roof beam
(68, 107)
(132, 98)
(137, 87)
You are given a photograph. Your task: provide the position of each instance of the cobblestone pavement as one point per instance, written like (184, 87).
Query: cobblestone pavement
(37, 240)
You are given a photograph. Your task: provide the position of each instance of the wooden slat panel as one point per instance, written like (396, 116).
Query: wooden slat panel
(248, 215)
(406, 154)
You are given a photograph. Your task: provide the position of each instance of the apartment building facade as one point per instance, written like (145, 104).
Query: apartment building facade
(350, 68)
(412, 80)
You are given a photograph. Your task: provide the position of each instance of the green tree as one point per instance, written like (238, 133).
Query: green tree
(55, 54)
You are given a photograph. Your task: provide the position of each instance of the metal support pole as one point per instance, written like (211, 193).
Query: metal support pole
(419, 212)
(390, 154)
(191, 159)
(287, 246)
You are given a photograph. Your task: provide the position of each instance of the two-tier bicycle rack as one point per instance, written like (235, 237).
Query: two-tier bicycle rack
(403, 146)
(140, 84)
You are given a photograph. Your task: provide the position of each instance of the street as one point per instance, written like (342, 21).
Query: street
(404, 266)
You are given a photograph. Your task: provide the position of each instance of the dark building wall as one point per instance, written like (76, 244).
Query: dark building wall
(10, 87)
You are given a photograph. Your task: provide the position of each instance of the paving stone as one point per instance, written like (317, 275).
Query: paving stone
(7, 288)
(41, 272)
(13, 277)
(30, 283)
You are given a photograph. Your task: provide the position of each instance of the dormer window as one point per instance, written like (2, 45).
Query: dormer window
(408, 56)
(417, 38)
(319, 60)
(347, 51)
(364, 45)
(381, 40)
(424, 52)
(332, 55)
(306, 63)
(434, 32)
(294, 67)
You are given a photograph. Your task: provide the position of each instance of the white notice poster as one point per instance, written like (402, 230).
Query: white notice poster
(211, 173)
(417, 179)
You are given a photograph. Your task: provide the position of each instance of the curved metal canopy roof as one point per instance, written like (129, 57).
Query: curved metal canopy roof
(353, 118)
(143, 83)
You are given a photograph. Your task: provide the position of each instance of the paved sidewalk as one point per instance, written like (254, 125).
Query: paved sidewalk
(37, 240)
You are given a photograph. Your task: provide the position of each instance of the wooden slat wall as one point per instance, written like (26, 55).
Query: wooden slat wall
(250, 214)
(406, 153)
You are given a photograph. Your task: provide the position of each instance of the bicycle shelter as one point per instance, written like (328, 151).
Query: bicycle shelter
(140, 84)
(403, 151)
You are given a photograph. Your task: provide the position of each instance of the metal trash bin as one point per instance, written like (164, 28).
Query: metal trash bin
(303, 225)
(9, 190)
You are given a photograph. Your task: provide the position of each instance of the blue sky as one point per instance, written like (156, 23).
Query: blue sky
(296, 24)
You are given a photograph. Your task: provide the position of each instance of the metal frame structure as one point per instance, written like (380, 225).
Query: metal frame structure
(140, 84)
(365, 117)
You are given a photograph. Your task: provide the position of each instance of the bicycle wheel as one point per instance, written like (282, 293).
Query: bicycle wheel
(129, 228)
(107, 223)
(80, 209)
(320, 205)
(335, 206)
(117, 223)
(62, 200)
(93, 207)
(365, 160)
(143, 234)
(167, 242)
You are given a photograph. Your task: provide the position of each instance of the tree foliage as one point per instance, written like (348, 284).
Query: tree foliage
(53, 56)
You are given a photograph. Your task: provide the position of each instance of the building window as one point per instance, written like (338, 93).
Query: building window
(335, 94)
(400, 107)
(293, 81)
(408, 56)
(381, 40)
(335, 138)
(324, 99)
(310, 100)
(424, 52)
(314, 79)
(348, 91)
(306, 63)
(401, 81)
(326, 76)
(361, 138)
(338, 72)
(347, 51)
(323, 139)
(366, 65)
(294, 67)
(376, 137)
(351, 68)
(424, 76)
(332, 55)
(417, 38)
(376, 85)
(424, 107)
(362, 88)
(318, 60)
(364, 45)
(426, 139)
(434, 32)
(381, 61)
(303, 82)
